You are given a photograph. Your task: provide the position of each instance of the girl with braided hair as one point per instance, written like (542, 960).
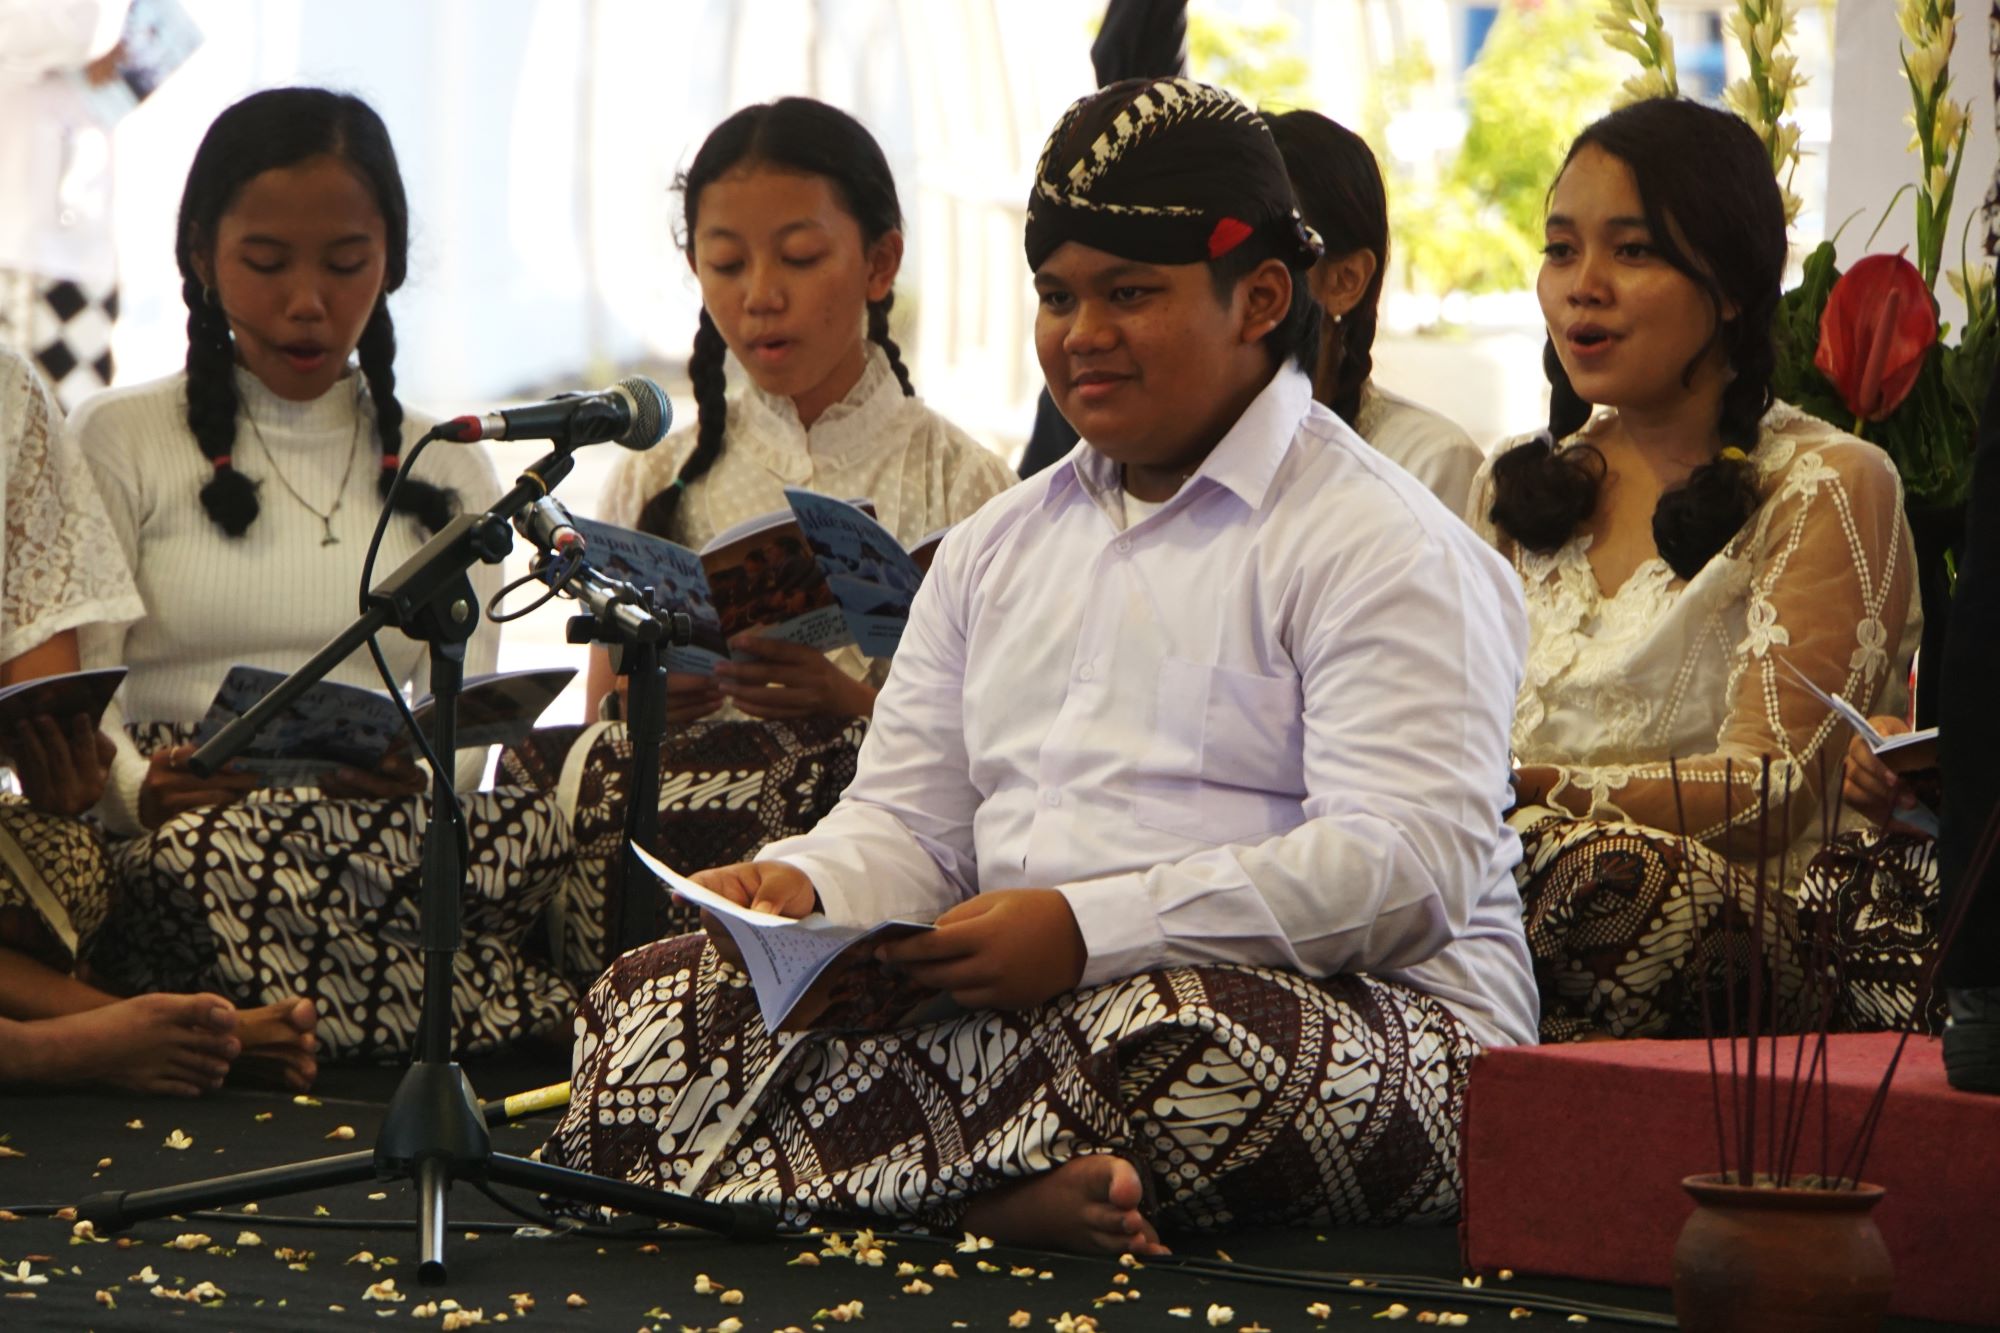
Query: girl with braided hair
(244, 491)
(794, 233)
(1690, 549)
(1339, 187)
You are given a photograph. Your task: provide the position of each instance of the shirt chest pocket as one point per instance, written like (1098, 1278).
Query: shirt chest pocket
(1226, 759)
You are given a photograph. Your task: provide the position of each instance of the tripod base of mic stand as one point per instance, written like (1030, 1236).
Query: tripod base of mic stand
(433, 1135)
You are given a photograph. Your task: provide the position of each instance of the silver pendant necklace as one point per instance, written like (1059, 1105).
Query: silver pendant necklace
(325, 517)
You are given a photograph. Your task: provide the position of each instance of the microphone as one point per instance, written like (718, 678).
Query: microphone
(634, 412)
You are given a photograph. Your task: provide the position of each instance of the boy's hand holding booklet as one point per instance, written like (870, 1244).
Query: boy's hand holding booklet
(821, 572)
(786, 957)
(333, 726)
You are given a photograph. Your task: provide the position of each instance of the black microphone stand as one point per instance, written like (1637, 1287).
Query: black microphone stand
(633, 902)
(434, 1132)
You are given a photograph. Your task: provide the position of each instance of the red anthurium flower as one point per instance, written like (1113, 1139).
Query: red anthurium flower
(1874, 333)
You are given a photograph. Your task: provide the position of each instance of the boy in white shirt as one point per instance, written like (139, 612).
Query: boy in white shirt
(1195, 748)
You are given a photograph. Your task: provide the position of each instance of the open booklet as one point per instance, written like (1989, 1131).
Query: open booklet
(59, 697)
(157, 38)
(333, 726)
(1906, 752)
(785, 956)
(821, 572)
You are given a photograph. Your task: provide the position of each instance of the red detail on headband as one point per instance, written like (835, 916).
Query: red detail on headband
(220, 462)
(391, 461)
(1228, 234)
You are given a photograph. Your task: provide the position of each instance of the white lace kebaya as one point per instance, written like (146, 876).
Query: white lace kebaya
(1822, 577)
(61, 567)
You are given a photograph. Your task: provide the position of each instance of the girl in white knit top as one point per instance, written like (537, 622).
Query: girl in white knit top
(243, 492)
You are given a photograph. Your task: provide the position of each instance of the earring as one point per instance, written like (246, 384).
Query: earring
(1338, 318)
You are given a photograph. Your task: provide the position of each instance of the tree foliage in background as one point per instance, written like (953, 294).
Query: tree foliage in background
(1259, 62)
(1542, 76)
(1472, 223)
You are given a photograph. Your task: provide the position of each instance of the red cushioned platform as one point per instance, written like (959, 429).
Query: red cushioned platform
(1573, 1158)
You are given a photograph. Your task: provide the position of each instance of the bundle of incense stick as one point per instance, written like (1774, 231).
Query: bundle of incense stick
(1757, 1089)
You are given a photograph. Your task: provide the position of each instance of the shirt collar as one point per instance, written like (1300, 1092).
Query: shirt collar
(853, 426)
(1244, 461)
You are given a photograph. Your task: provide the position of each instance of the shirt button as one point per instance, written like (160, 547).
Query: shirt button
(1052, 799)
(1124, 543)
(1087, 672)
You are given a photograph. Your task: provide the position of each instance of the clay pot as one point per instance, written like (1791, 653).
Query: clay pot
(1775, 1260)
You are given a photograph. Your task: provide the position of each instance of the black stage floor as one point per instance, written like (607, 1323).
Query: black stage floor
(308, 1265)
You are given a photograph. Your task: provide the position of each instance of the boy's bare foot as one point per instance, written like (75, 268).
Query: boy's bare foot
(1089, 1205)
(278, 1043)
(178, 1045)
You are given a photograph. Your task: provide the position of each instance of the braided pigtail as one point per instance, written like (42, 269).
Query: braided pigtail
(1541, 493)
(711, 385)
(878, 333)
(229, 497)
(432, 506)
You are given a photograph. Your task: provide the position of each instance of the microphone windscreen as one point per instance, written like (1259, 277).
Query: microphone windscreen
(652, 414)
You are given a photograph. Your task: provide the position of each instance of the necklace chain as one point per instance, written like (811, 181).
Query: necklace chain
(339, 497)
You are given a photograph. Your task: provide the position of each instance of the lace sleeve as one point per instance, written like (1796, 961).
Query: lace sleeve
(63, 567)
(1830, 575)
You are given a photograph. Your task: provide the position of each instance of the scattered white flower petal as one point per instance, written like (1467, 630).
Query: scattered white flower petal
(341, 1133)
(179, 1142)
(22, 1277)
(1218, 1315)
(385, 1290)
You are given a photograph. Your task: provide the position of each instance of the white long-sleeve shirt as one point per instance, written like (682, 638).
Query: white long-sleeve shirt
(274, 596)
(1267, 723)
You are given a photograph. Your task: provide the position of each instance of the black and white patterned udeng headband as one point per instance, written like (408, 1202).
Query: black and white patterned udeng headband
(1177, 172)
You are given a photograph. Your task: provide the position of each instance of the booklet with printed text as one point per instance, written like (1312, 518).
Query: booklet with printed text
(785, 956)
(333, 726)
(157, 38)
(821, 572)
(59, 697)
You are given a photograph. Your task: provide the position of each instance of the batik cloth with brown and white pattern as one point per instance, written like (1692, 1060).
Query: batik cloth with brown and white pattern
(1634, 929)
(1873, 898)
(726, 789)
(1244, 1096)
(289, 892)
(54, 887)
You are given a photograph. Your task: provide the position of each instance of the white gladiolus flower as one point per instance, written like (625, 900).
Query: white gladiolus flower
(1622, 39)
(1946, 129)
(1923, 65)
